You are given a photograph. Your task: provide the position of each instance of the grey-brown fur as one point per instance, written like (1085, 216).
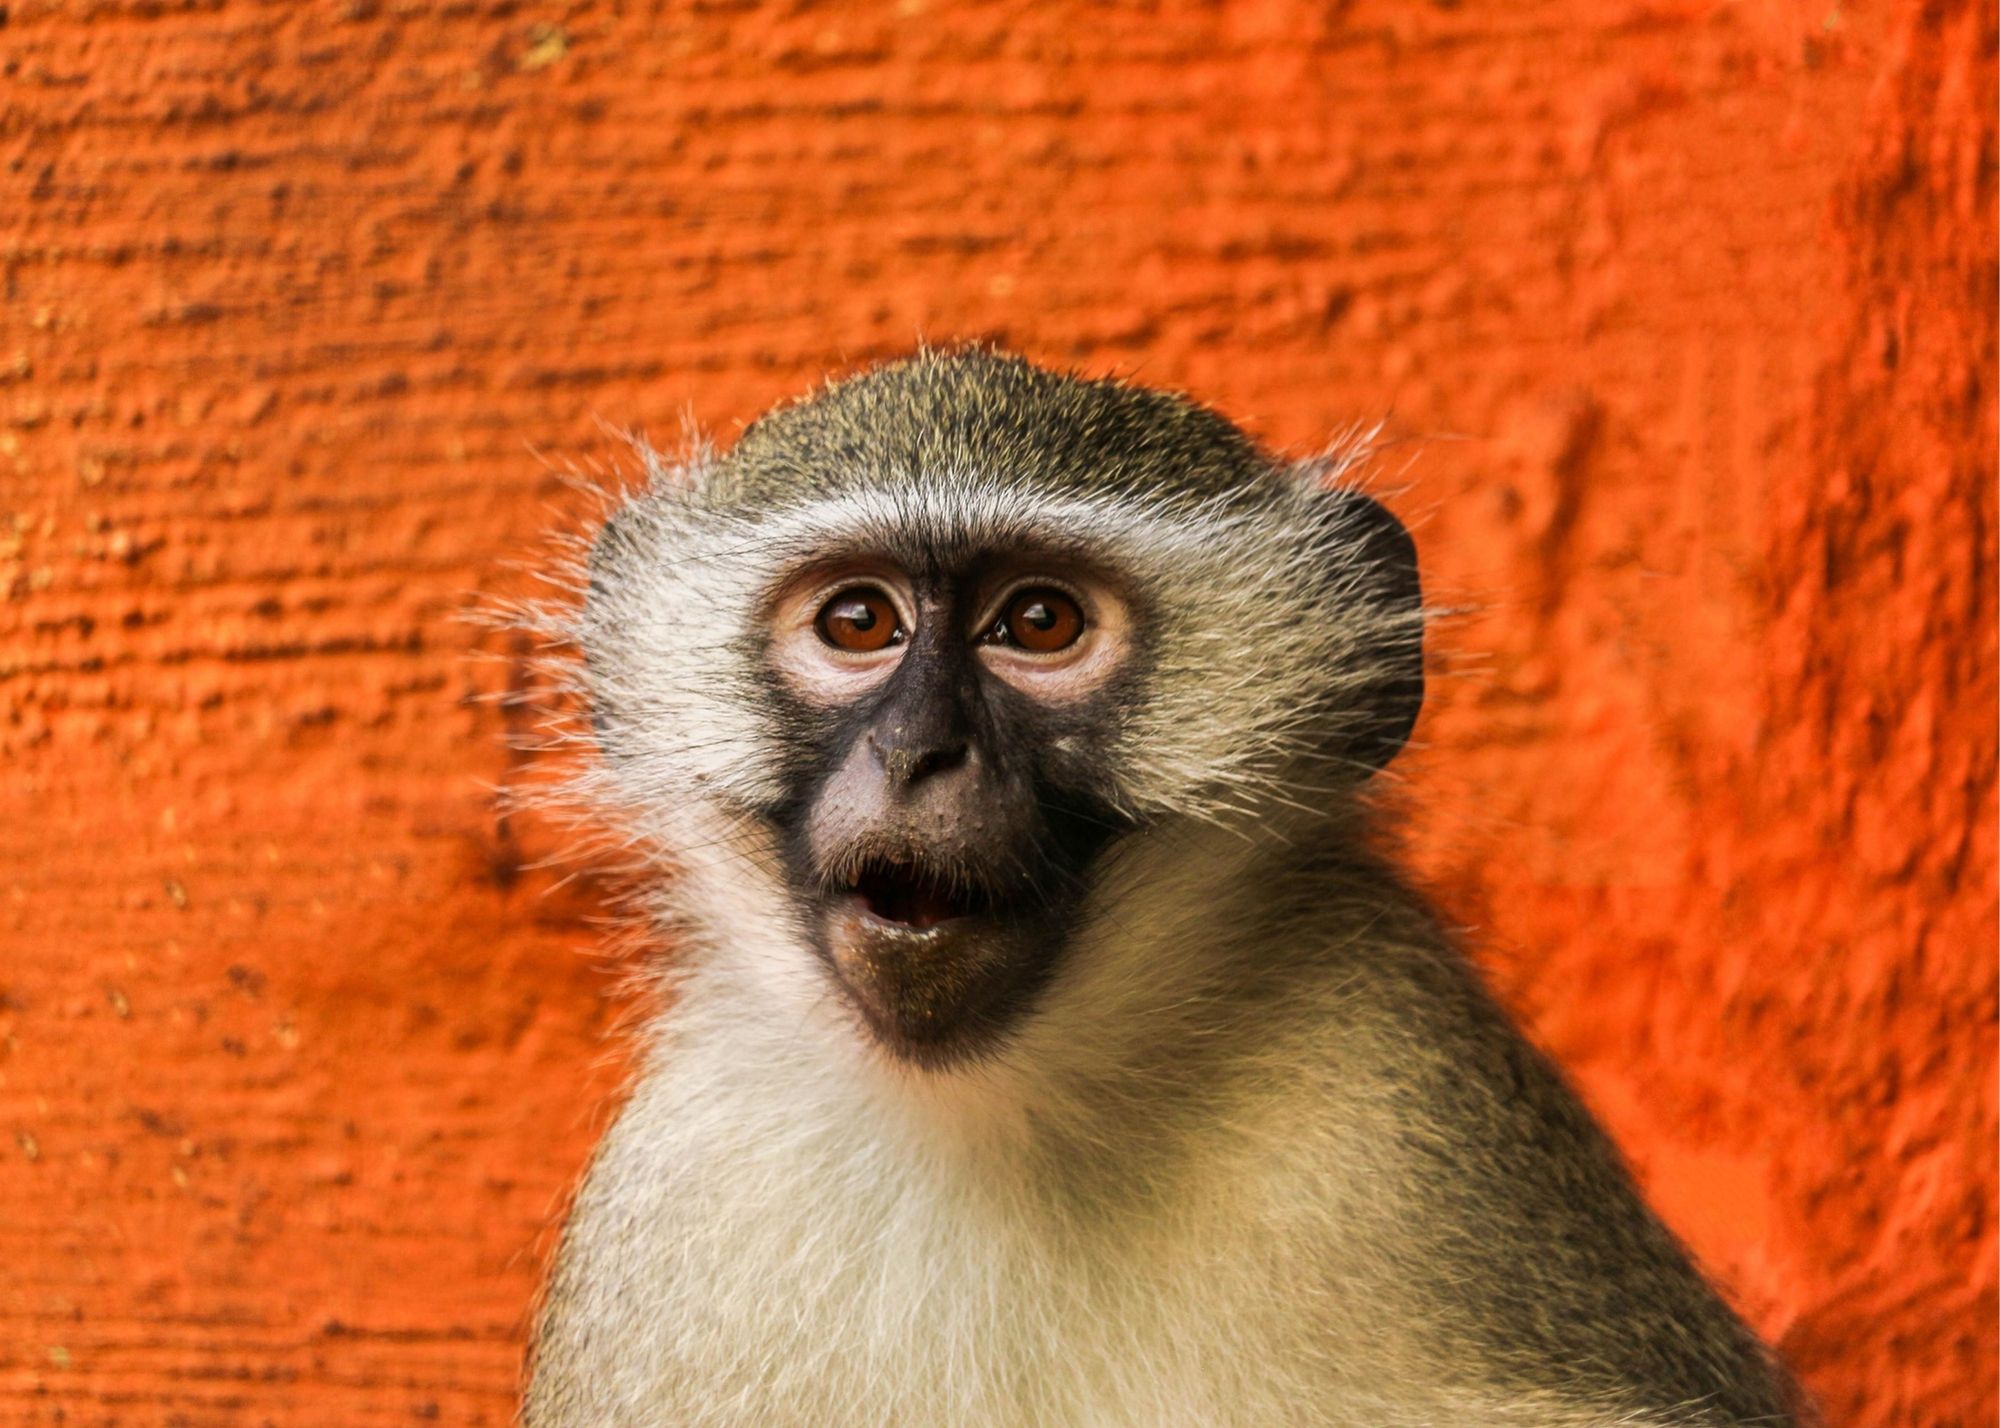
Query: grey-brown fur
(1032, 427)
(1263, 1151)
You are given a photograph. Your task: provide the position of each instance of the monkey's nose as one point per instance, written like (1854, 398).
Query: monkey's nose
(909, 763)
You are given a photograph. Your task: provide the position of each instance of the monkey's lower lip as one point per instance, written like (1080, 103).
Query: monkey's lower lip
(929, 988)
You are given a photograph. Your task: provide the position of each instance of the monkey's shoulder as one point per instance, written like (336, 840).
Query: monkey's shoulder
(1398, 1140)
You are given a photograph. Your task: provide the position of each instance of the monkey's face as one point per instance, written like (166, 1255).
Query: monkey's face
(898, 678)
(947, 705)
(952, 725)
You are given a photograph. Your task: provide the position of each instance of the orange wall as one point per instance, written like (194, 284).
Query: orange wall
(1685, 311)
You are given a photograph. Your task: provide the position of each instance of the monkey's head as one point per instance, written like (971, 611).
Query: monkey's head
(935, 642)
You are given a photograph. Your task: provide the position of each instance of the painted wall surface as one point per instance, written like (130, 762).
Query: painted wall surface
(1682, 313)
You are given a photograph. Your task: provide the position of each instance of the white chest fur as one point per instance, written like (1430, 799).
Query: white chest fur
(838, 1250)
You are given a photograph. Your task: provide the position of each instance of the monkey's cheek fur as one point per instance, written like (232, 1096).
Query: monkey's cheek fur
(933, 994)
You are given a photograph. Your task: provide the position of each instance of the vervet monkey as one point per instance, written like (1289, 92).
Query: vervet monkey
(1046, 1044)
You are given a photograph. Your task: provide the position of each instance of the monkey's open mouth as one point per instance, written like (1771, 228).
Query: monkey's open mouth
(934, 954)
(914, 897)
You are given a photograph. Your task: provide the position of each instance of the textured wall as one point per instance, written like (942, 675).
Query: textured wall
(1684, 309)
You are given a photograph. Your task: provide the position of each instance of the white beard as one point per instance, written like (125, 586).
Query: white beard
(1109, 1222)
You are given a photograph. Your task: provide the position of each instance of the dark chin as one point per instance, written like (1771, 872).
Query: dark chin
(941, 994)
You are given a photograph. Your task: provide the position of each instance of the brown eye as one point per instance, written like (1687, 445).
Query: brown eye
(860, 619)
(1040, 621)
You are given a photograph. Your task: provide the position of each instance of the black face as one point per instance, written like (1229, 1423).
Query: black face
(947, 796)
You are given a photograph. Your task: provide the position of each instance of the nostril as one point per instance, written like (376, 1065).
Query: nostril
(907, 763)
(939, 760)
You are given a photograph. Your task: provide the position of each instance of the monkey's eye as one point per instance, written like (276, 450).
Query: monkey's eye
(861, 619)
(1040, 621)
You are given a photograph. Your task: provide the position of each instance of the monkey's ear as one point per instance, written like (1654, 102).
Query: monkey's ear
(1386, 598)
(617, 554)
(614, 550)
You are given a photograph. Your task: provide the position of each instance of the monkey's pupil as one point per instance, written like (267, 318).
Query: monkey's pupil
(1040, 616)
(856, 614)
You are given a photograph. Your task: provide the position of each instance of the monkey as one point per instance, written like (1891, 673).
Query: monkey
(1049, 1040)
